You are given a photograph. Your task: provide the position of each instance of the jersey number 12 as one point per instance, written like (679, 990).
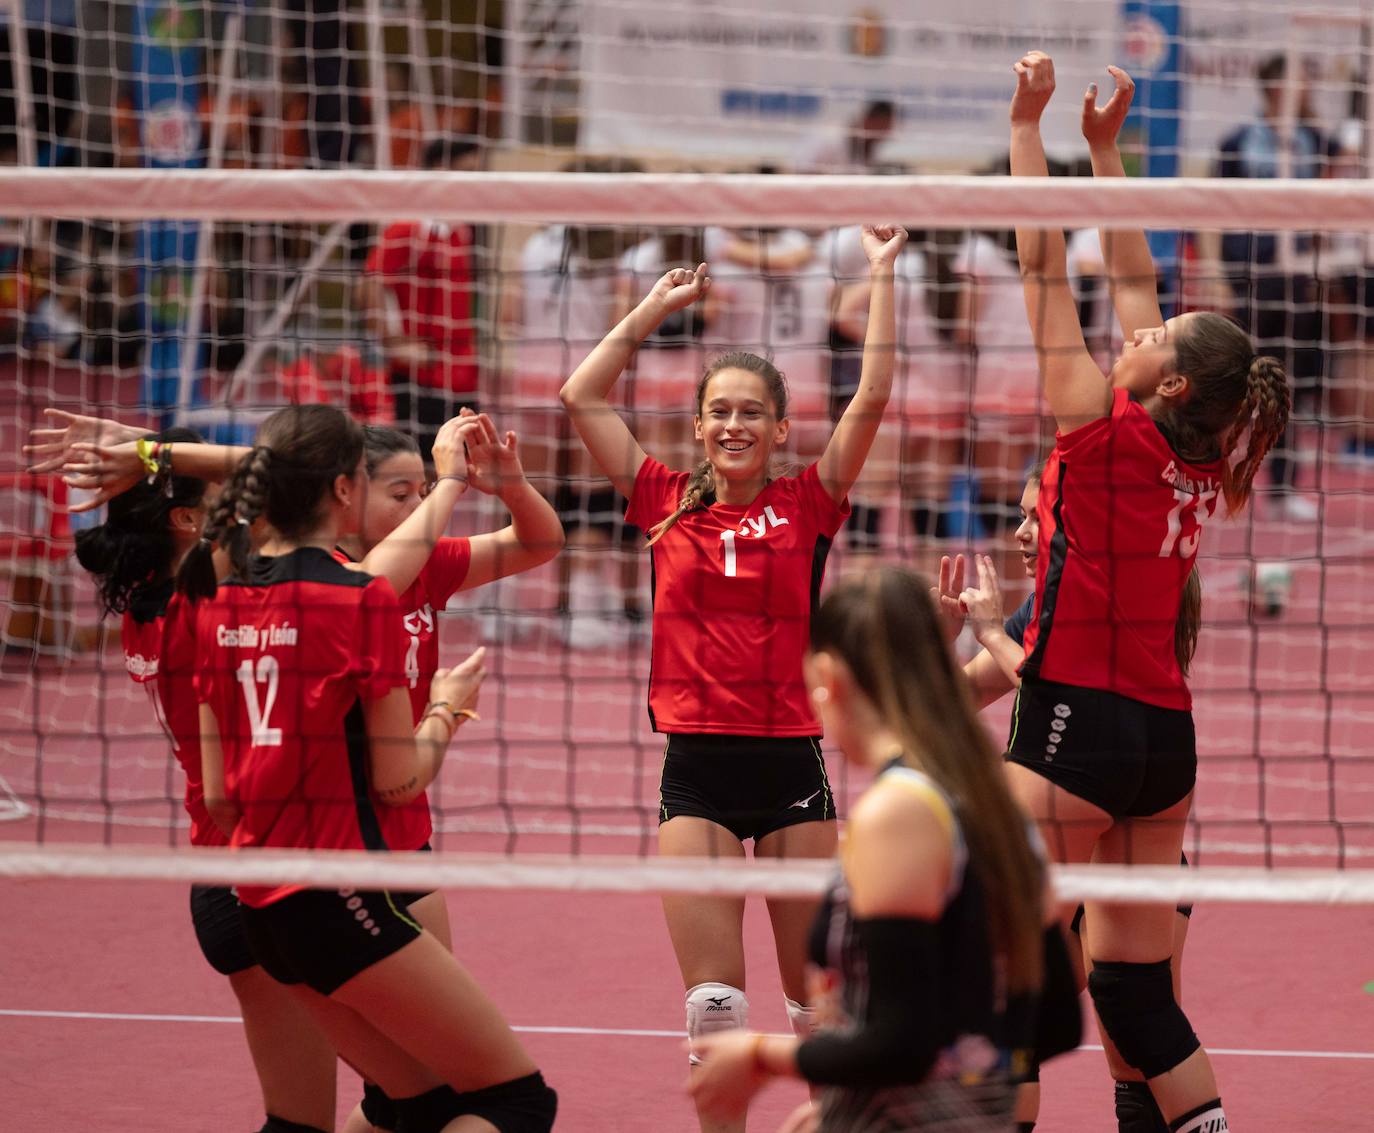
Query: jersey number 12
(259, 714)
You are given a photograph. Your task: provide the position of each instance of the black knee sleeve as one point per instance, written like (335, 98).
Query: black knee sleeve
(1136, 1110)
(379, 1109)
(1138, 1011)
(522, 1105)
(281, 1125)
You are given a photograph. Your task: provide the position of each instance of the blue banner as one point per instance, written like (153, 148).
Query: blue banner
(167, 68)
(1153, 56)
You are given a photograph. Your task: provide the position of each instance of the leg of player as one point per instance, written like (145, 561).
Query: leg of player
(377, 1111)
(440, 1026)
(707, 935)
(1136, 1109)
(1069, 826)
(792, 919)
(293, 1058)
(1134, 999)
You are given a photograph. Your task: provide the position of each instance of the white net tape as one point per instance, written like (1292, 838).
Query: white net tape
(683, 199)
(616, 874)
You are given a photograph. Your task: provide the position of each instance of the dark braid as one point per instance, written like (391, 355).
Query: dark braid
(1231, 390)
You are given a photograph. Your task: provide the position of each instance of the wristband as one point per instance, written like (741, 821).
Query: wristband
(147, 455)
(458, 714)
(451, 727)
(462, 479)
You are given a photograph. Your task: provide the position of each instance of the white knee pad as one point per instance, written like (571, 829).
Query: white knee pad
(801, 1019)
(712, 1008)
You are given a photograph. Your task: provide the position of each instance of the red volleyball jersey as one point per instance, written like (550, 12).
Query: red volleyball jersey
(1121, 516)
(286, 657)
(159, 641)
(734, 587)
(409, 827)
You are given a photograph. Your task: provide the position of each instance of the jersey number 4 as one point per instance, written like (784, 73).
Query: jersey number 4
(1174, 539)
(260, 712)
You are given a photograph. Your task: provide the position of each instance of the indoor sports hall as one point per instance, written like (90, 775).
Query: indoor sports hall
(412, 210)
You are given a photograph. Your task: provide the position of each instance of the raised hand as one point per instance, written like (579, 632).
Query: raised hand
(447, 451)
(1102, 124)
(680, 287)
(493, 461)
(983, 603)
(461, 684)
(946, 595)
(50, 448)
(1034, 86)
(105, 470)
(882, 244)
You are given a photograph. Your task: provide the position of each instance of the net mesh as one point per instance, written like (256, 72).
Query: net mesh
(286, 273)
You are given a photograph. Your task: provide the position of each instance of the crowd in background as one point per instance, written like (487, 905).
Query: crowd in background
(407, 322)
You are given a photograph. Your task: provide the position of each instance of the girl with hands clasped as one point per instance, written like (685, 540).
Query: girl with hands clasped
(739, 554)
(933, 942)
(1104, 750)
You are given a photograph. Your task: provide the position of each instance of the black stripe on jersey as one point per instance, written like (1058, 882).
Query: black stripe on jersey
(305, 564)
(653, 591)
(818, 557)
(1059, 551)
(355, 735)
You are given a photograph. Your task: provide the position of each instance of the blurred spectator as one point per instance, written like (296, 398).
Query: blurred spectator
(855, 148)
(54, 78)
(333, 108)
(418, 297)
(404, 120)
(1348, 271)
(347, 377)
(1271, 278)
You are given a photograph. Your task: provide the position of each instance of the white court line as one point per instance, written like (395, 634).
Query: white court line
(615, 1032)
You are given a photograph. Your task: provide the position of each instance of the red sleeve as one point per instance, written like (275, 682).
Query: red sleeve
(379, 658)
(446, 569)
(829, 515)
(656, 494)
(1087, 434)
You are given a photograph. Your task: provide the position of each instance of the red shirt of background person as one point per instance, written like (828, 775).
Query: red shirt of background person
(426, 265)
(757, 569)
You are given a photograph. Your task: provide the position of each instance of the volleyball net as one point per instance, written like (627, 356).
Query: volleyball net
(228, 209)
(563, 762)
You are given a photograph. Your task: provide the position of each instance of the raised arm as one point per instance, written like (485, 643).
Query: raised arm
(401, 556)
(535, 533)
(108, 470)
(1074, 386)
(1130, 267)
(848, 447)
(586, 394)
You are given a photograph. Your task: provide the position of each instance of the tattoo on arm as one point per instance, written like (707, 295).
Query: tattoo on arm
(401, 791)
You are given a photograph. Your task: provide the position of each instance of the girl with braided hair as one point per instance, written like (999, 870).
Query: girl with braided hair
(134, 555)
(308, 741)
(738, 556)
(1103, 751)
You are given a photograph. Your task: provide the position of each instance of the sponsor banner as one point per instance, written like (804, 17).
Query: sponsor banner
(749, 80)
(752, 79)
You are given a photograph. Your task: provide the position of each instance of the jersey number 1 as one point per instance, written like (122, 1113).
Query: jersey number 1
(264, 735)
